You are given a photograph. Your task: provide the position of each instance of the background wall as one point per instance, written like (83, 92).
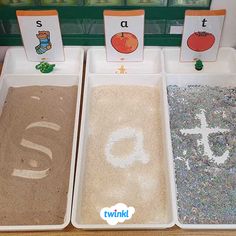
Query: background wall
(229, 32)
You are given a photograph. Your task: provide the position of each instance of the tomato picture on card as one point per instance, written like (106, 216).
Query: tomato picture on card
(201, 41)
(124, 42)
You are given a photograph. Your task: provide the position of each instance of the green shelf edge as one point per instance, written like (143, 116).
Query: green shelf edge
(95, 40)
(83, 12)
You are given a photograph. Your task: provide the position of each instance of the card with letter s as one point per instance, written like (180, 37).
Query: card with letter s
(41, 35)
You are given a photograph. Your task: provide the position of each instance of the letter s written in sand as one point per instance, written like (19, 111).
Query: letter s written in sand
(36, 174)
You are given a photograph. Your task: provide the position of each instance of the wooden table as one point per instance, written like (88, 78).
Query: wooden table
(175, 231)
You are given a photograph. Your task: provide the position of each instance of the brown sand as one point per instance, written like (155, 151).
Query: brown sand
(140, 185)
(30, 201)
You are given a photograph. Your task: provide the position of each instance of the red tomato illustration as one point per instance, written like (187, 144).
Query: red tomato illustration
(201, 41)
(124, 42)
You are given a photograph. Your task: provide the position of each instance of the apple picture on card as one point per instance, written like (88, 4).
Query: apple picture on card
(124, 35)
(124, 42)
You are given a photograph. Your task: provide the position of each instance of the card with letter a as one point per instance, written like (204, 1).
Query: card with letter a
(202, 34)
(124, 33)
(41, 35)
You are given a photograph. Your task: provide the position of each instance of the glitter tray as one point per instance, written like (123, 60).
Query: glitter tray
(222, 74)
(204, 170)
(137, 75)
(18, 72)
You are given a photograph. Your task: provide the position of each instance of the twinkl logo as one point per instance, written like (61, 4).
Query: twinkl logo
(117, 213)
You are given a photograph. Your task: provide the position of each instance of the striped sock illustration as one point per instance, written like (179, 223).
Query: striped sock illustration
(44, 42)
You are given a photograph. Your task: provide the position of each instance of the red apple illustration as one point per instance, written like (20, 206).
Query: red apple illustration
(201, 41)
(124, 42)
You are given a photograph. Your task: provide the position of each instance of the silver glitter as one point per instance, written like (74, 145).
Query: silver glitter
(206, 190)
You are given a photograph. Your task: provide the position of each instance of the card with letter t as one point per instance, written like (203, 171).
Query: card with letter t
(41, 35)
(202, 34)
(124, 32)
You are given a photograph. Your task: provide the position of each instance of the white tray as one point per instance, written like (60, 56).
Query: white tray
(225, 63)
(92, 80)
(97, 63)
(16, 63)
(62, 77)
